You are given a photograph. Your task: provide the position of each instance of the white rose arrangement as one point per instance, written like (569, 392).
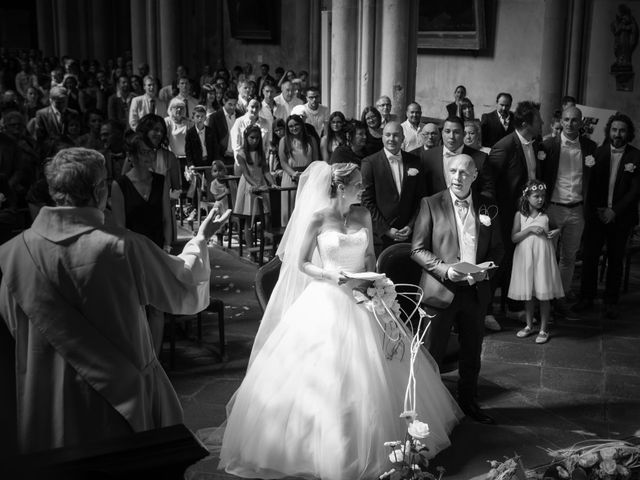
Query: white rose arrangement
(541, 155)
(484, 220)
(589, 161)
(412, 172)
(629, 167)
(588, 459)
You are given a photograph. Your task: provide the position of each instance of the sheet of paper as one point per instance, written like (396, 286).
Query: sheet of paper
(364, 275)
(469, 268)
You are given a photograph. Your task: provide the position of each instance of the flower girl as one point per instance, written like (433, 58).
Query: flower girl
(535, 272)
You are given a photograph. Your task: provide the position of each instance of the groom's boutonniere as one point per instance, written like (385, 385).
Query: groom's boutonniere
(541, 155)
(589, 161)
(412, 172)
(629, 167)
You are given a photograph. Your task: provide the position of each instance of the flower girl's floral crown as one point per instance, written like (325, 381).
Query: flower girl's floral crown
(533, 188)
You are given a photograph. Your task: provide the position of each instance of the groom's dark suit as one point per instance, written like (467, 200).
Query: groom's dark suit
(492, 129)
(435, 248)
(380, 195)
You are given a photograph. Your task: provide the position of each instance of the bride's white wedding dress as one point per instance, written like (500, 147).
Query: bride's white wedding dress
(320, 399)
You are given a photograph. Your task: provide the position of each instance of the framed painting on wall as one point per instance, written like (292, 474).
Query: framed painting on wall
(451, 24)
(254, 20)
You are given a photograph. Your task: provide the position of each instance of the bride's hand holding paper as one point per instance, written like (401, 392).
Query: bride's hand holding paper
(361, 280)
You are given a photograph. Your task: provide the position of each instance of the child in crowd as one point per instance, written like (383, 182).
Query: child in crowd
(535, 272)
(219, 187)
(255, 180)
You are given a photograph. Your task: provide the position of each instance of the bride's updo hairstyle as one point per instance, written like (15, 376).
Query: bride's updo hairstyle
(341, 174)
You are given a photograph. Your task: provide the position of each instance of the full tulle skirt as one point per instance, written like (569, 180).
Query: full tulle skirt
(321, 398)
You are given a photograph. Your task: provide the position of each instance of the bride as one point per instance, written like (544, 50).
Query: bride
(320, 397)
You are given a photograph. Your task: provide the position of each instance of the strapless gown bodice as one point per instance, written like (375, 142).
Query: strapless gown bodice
(343, 251)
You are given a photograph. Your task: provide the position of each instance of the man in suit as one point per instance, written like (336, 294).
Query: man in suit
(499, 123)
(200, 140)
(222, 122)
(611, 212)
(51, 121)
(147, 103)
(184, 93)
(119, 103)
(393, 186)
(509, 166)
(433, 160)
(566, 176)
(265, 78)
(450, 229)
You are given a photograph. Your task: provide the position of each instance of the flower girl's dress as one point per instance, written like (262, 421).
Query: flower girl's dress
(535, 271)
(320, 399)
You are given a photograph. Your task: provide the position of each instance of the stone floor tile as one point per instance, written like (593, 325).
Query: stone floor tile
(523, 352)
(511, 376)
(622, 386)
(572, 381)
(199, 415)
(218, 392)
(621, 345)
(582, 354)
(622, 363)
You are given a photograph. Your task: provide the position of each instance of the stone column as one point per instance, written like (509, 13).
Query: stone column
(573, 64)
(314, 43)
(138, 33)
(366, 51)
(151, 40)
(45, 20)
(169, 40)
(63, 43)
(552, 62)
(344, 28)
(100, 18)
(82, 37)
(394, 58)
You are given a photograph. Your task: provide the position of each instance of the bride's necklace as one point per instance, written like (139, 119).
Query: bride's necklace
(345, 219)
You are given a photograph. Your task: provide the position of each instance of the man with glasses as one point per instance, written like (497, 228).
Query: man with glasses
(384, 107)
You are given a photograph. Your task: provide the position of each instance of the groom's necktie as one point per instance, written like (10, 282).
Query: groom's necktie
(394, 161)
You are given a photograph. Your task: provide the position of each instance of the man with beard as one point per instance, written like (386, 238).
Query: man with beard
(610, 213)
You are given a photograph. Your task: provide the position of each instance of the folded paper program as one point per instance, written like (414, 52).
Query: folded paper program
(470, 268)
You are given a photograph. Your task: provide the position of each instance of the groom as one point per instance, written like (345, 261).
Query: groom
(452, 228)
(392, 181)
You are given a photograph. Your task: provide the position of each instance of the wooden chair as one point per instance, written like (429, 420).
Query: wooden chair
(266, 280)
(215, 306)
(395, 261)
